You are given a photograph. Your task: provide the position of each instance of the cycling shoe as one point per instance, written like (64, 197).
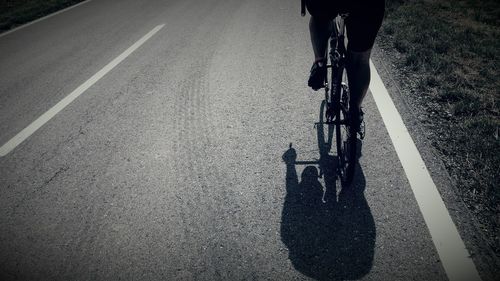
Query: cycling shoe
(357, 122)
(318, 74)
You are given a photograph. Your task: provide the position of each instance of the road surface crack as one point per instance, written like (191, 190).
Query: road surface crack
(54, 176)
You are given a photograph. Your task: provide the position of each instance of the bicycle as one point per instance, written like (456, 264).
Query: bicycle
(336, 107)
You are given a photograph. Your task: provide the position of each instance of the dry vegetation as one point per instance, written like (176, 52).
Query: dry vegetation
(450, 50)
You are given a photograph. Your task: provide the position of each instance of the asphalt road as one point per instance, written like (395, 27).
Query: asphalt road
(171, 166)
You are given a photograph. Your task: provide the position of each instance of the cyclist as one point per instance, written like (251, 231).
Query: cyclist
(362, 24)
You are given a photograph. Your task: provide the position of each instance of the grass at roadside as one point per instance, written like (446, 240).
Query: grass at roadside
(17, 12)
(450, 51)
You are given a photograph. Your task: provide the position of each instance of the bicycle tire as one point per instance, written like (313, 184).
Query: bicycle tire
(346, 136)
(324, 140)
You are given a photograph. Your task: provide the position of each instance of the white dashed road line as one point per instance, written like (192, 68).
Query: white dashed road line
(450, 247)
(26, 132)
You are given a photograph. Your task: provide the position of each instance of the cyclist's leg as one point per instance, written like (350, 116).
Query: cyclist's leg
(319, 27)
(322, 11)
(358, 72)
(362, 25)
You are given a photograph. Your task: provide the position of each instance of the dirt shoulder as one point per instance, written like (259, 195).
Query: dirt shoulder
(446, 56)
(18, 12)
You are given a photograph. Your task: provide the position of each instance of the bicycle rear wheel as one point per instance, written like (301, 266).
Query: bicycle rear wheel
(326, 116)
(346, 136)
(324, 131)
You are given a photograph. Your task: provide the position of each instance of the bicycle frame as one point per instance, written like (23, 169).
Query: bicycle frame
(336, 106)
(337, 56)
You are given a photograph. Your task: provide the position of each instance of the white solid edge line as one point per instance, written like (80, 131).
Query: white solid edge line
(43, 18)
(26, 132)
(450, 247)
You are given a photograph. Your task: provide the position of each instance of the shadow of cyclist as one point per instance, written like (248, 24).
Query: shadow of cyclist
(332, 240)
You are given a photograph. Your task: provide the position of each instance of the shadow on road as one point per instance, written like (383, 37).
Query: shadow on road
(328, 238)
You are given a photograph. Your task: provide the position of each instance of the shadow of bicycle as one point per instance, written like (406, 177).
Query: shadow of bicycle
(329, 237)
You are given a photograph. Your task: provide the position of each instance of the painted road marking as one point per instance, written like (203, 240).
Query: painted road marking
(26, 132)
(43, 18)
(450, 247)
